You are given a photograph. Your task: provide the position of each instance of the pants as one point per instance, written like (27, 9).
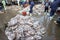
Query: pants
(54, 6)
(46, 9)
(52, 12)
(31, 8)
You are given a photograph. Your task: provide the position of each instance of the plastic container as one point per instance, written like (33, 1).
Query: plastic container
(24, 13)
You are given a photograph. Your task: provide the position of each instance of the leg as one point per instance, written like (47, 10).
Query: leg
(52, 12)
(45, 9)
(31, 9)
(54, 6)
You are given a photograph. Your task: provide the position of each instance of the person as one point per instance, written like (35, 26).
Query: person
(4, 4)
(46, 6)
(31, 7)
(54, 7)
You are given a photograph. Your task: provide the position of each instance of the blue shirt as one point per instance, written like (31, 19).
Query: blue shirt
(46, 4)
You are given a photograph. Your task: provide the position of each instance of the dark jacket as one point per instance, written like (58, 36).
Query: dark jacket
(55, 4)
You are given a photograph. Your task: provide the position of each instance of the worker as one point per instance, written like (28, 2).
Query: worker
(31, 7)
(54, 6)
(46, 6)
(4, 4)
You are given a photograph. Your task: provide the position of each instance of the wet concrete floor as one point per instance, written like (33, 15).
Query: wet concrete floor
(53, 32)
(4, 18)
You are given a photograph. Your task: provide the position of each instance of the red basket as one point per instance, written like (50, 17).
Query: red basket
(24, 13)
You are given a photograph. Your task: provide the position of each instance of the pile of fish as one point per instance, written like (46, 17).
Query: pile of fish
(38, 9)
(24, 28)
